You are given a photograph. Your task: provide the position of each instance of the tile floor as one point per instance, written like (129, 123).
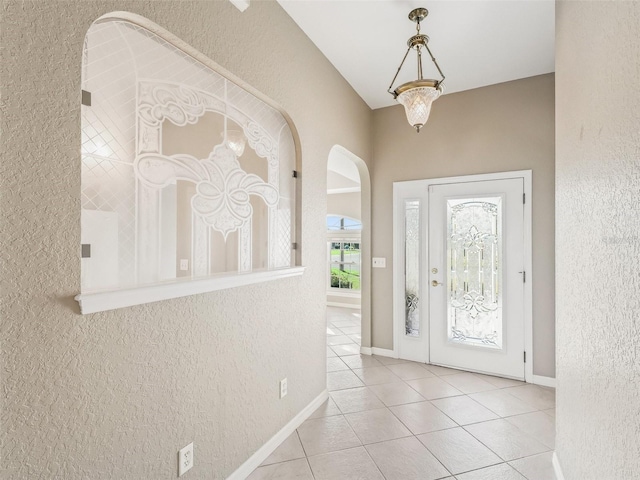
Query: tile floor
(397, 420)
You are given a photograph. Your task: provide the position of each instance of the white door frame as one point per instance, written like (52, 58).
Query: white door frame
(405, 190)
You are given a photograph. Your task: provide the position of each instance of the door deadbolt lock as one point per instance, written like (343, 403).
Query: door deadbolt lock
(434, 270)
(435, 283)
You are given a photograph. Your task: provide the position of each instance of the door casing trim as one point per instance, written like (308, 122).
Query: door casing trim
(398, 254)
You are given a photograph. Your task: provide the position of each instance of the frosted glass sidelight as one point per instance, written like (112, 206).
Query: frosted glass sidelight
(412, 267)
(474, 277)
(184, 173)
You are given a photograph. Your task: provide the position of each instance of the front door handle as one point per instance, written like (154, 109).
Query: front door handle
(435, 283)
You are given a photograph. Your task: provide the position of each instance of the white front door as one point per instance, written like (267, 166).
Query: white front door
(475, 276)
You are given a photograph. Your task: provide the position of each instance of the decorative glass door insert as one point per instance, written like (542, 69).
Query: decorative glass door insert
(474, 258)
(412, 267)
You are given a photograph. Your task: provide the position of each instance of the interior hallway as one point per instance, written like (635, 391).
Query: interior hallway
(397, 420)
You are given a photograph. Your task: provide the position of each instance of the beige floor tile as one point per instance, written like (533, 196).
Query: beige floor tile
(361, 361)
(389, 360)
(328, 434)
(356, 400)
(422, 417)
(375, 375)
(441, 371)
(536, 467)
(293, 470)
(537, 424)
(355, 339)
(542, 398)
(432, 388)
(334, 364)
(374, 426)
(497, 472)
(342, 350)
(344, 323)
(338, 340)
(499, 381)
(352, 464)
(463, 410)
(327, 409)
(290, 449)
(396, 394)
(502, 403)
(331, 353)
(351, 330)
(406, 459)
(458, 450)
(410, 371)
(334, 331)
(468, 383)
(342, 379)
(505, 439)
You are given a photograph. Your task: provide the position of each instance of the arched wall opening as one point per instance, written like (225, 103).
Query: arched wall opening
(349, 230)
(187, 182)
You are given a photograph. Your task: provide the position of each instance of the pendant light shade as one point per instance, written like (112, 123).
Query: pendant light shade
(417, 104)
(418, 95)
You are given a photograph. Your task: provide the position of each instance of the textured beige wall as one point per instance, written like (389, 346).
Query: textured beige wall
(116, 394)
(492, 129)
(598, 239)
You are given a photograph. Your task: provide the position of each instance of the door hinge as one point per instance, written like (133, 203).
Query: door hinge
(524, 198)
(524, 276)
(294, 246)
(86, 250)
(525, 357)
(86, 98)
(295, 174)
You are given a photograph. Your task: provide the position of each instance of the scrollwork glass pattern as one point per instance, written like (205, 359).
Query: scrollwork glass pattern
(474, 259)
(178, 213)
(412, 267)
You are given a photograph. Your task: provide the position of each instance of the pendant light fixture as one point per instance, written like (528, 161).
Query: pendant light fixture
(418, 95)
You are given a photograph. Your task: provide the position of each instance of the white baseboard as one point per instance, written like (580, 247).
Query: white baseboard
(365, 350)
(556, 467)
(274, 442)
(383, 352)
(343, 305)
(544, 381)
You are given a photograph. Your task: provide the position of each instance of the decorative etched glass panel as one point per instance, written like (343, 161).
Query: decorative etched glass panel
(345, 265)
(412, 267)
(184, 173)
(474, 277)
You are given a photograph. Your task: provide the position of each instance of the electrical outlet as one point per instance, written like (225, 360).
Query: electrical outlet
(184, 264)
(185, 459)
(283, 388)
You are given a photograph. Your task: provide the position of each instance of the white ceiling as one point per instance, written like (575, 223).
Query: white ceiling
(342, 174)
(476, 42)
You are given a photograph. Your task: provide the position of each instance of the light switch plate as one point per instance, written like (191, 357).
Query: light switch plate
(283, 388)
(379, 262)
(184, 264)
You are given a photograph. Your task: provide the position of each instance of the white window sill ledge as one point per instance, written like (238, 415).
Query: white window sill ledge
(127, 297)
(341, 293)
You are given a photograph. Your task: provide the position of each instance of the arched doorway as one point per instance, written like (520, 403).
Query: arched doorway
(349, 247)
